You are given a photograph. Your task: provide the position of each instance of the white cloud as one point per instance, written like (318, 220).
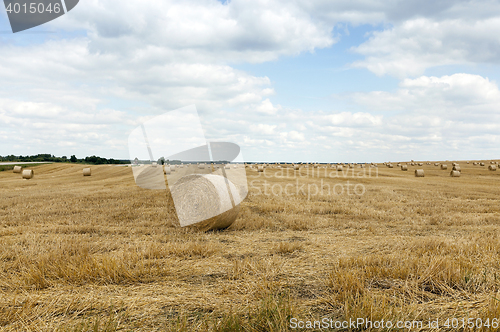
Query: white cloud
(410, 47)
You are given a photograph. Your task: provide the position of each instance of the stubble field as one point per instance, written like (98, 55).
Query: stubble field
(101, 254)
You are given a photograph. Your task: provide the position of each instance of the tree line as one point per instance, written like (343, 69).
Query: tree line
(95, 160)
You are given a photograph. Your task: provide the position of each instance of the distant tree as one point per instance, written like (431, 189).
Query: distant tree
(73, 159)
(161, 161)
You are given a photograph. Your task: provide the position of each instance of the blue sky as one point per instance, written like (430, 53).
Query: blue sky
(286, 80)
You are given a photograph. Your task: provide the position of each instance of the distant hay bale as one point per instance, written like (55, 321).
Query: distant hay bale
(260, 169)
(492, 167)
(420, 164)
(399, 165)
(351, 166)
(200, 166)
(443, 166)
(166, 169)
(18, 169)
(481, 164)
(296, 167)
(467, 162)
(339, 168)
(390, 165)
(474, 163)
(455, 174)
(492, 162)
(456, 168)
(28, 174)
(419, 173)
(172, 168)
(404, 167)
(436, 164)
(412, 164)
(206, 202)
(455, 164)
(227, 166)
(87, 172)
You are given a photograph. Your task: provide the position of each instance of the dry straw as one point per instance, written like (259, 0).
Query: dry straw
(206, 202)
(28, 174)
(444, 166)
(87, 172)
(404, 167)
(492, 167)
(18, 169)
(455, 174)
(419, 173)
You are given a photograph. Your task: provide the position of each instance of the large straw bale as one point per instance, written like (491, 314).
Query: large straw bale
(206, 202)
(28, 174)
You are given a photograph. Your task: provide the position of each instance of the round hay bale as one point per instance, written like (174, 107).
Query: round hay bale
(467, 162)
(419, 173)
(443, 166)
(413, 164)
(204, 202)
(87, 171)
(296, 167)
(404, 167)
(172, 168)
(28, 174)
(455, 174)
(166, 169)
(492, 162)
(481, 164)
(456, 168)
(455, 164)
(390, 166)
(474, 163)
(200, 166)
(260, 169)
(436, 164)
(18, 169)
(492, 167)
(351, 166)
(339, 168)
(420, 164)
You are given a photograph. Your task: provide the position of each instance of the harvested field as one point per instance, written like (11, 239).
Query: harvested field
(99, 253)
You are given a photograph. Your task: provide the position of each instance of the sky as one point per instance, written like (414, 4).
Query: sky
(315, 80)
